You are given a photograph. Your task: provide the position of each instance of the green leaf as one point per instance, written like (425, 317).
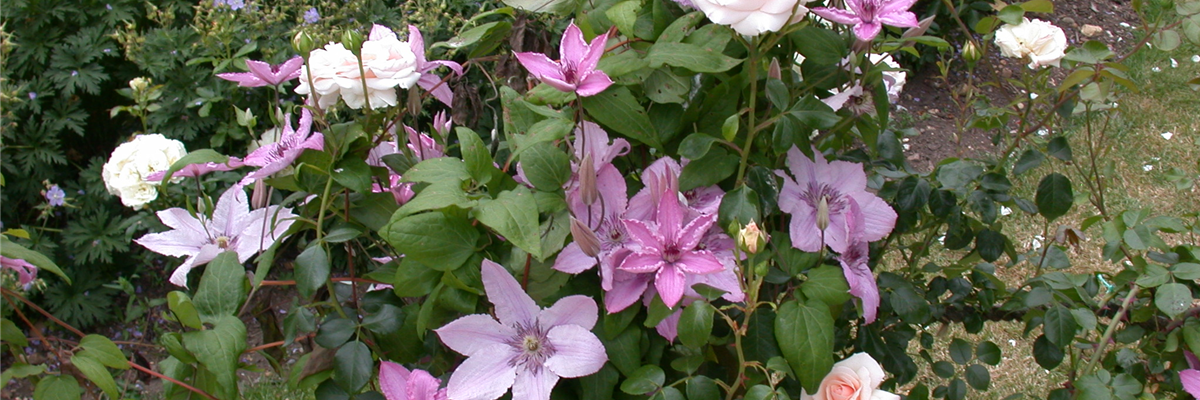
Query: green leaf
(957, 390)
(1059, 326)
(218, 350)
(104, 351)
(547, 130)
(624, 350)
(96, 373)
(222, 288)
(437, 196)
(546, 166)
(695, 146)
(960, 351)
(312, 269)
(600, 385)
(696, 324)
(1054, 196)
(514, 215)
(1153, 276)
(778, 94)
(944, 369)
(1030, 159)
(57, 387)
(989, 244)
(386, 320)
(1173, 299)
(689, 56)
(183, 309)
(475, 155)
(616, 108)
(414, 279)
(739, 204)
(805, 336)
(1038, 6)
(958, 174)
(912, 194)
(9, 332)
(664, 87)
(646, 379)
(1091, 52)
(759, 392)
(1187, 271)
(352, 366)
(988, 352)
(438, 170)
(435, 239)
(334, 332)
(820, 45)
(1012, 14)
(714, 167)
(827, 284)
(680, 28)
(353, 173)
(1166, 40)
(624, 15)
(1046, 354)
(1059, 148)
(701, 387)
(19, 252)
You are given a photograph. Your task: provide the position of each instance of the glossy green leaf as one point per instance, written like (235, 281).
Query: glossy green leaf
(1059, 326)
(514, 215)
(18, 252)
(312, 269)
(1173, 299)
(352, 366)
(696, 324)
(1054, 196)
(805, 335)
(104, 351)
(645, 380)
(827, 284)
(619, 110)
(95, 372)
(435, 239)
(546, 166)
(689, 56)
(218, 350)
(57, 387)
(222, 287)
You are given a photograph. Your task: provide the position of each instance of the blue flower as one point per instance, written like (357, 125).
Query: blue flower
(55, 196)
(312, 16)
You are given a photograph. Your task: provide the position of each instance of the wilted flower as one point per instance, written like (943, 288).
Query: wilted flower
(1041, 41)
(869, 16)
(55, 196)
(855, 378)
(528, 349)
(752, 17)
(264, 74)
(232, 227)
(576, 71)
(126, 170)
(819, 200)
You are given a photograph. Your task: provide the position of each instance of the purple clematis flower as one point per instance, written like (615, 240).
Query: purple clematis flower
(26, 272)
(263, 74)
(198, 169)
(869, 16)
(232, 227)
(429, 81)
(819, 200)
(576, 71)
(397, 383)
(276, 156)
(529, 349)
(854, 265)
(668, 248)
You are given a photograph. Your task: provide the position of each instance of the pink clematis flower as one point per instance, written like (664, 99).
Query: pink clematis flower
(198, 169)
(869, 16)
(263, 74)
(232, 227)
(668, 248)
(276, 156)
(26, 272)
(819, 201)
(576, 71)
(854, 265)
(528, 349)
(397, 383)
(430, 81)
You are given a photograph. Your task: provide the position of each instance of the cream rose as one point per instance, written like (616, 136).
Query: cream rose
(1041, 41)
(124, 173)
(752, 17)
(855, 378)
(331, 69)
(388, 63)
(893, 80)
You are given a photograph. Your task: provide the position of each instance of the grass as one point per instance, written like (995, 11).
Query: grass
(1164, 103)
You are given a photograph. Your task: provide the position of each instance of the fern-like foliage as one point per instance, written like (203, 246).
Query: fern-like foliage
(82, 304)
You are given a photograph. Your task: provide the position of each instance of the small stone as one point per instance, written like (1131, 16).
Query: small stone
(1167, 135)
(1148, 167)
(1196, 58)
(1068, 21)
(1090, 30)
(1174, 64)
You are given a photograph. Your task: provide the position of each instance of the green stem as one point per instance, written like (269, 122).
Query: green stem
(752, 64)
(1112, 327)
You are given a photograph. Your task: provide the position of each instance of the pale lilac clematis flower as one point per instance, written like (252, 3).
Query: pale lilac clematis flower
(869, 16)
(429, 81)
(26, 272)
(397, 383)
(529, 349)
(854, 265)
(276, 156)
(423, 148)
(668, 248)
(819, 200)
(264, 74)
(198, 169)
(232, 227)
(576, 71)
(1190, 378)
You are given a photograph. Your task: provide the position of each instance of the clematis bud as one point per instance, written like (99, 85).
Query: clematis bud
(585, 238)
(353, 41)
(587, 179)
(441, 123)
(751, 239)
(823, 213)
(303, 43)
(258, 198)
(773, 71)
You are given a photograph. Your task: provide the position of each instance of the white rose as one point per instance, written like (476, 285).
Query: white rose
(332, 68)
(1041, 41)
(388, 63)
(855, 378)
(752, 17)
(893, 80)
(124, 173)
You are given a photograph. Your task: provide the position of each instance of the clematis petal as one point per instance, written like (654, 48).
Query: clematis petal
(670, 283)
(541, 66)
(513, 306)
(595, 50)
(577, 351)
(846, 177)
(699, 262)
(837, 235)
(290, 69)
(229, 208)
(440, 91)
(261, 70)
(670, 217)
(573, 260)
(837, 15)
(393, 380)
(380, 32)
(472, 333)
(1190, 379)
(626, 291)
(878, 217)
(902, 19)
(668, 328)
(643, 263)
(867, 31)
(691, 234)
(416, 43)
(486, 375)
(896, 6)
(593, 83)
(573, 49)
(533, 384)
(571, 310)
(804, 233)
(243, 79)
(644, 234)
(176, 243)
(421, 386)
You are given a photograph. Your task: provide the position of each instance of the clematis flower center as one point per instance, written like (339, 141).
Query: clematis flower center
(531, 346)
(569, 71)
(870, 10)
(825, 200)
(671, 253)
(223, 242)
